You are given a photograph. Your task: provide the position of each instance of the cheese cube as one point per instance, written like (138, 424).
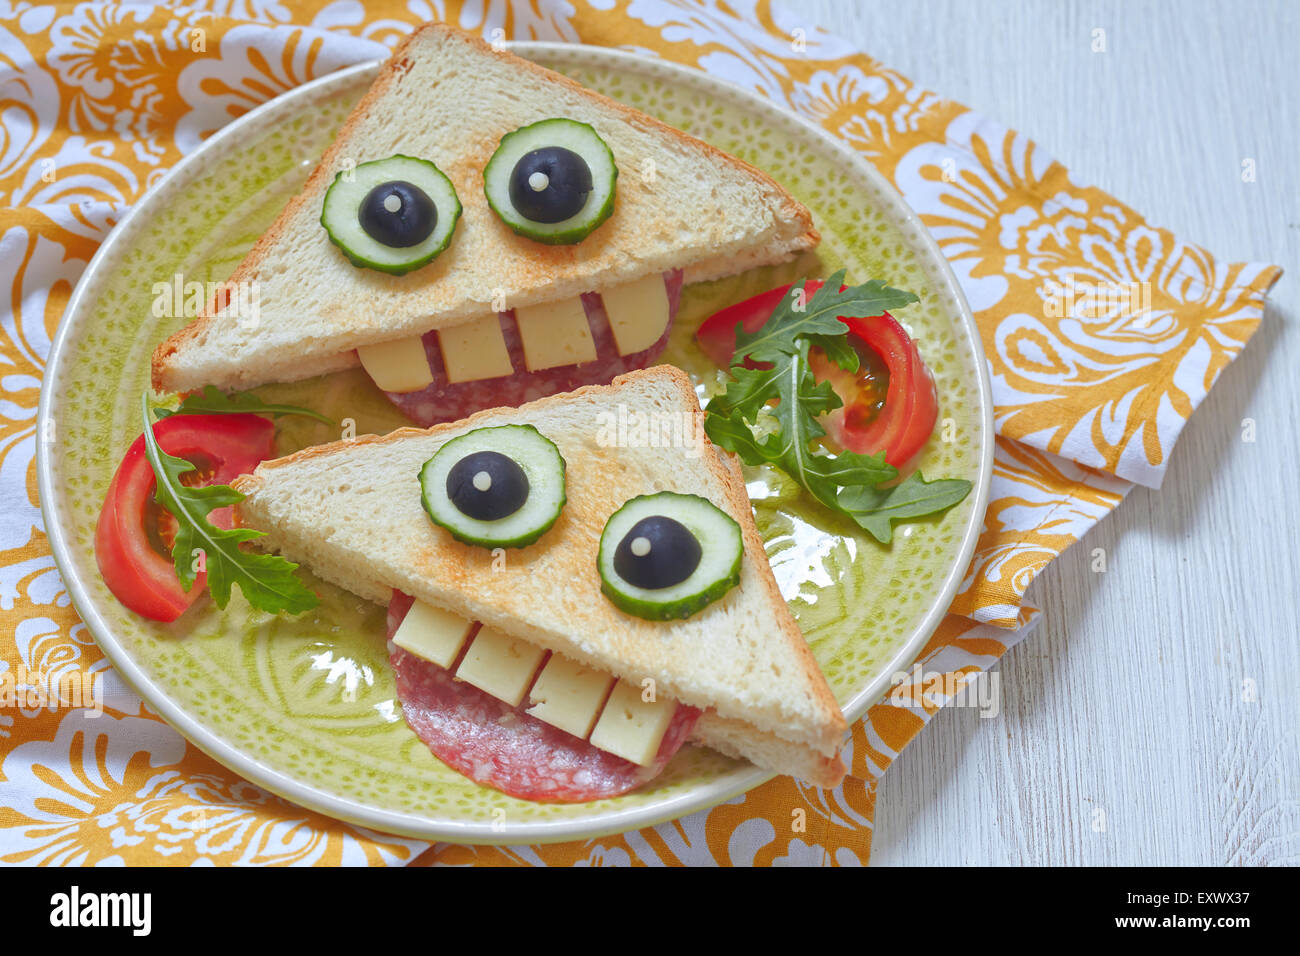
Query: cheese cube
(433, 634)
(397, 366)
(500, 664)
(554, 334)
(475, 350)
(629, 727)
(638, 313)
(568, 695)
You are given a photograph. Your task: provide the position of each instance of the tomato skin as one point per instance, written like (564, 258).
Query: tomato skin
(906, 421)
(717, 336)
(911, 405)
(141, 577)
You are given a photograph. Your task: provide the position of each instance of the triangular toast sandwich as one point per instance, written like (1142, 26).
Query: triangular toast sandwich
(351, 511)
(447, 97)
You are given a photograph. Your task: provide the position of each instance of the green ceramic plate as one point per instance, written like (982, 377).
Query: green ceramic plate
(306, 706)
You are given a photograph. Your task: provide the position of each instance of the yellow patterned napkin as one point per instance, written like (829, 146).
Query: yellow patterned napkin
(1103, 333)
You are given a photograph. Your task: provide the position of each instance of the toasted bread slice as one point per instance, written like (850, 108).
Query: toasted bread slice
(448, 97)
(351, 511)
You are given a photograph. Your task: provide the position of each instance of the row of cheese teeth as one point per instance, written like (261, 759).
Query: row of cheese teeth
(589, 704)
(553, 334)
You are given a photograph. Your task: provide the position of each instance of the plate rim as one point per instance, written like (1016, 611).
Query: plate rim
(409, 825)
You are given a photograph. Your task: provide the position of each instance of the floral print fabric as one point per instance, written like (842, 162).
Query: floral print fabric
(1103, 333)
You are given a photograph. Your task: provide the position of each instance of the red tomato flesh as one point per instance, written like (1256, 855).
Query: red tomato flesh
(890, 403)
(133, 533)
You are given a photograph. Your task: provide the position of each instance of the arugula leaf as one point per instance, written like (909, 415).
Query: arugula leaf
(211, 401)
(788, 392)
(875, 509)
(800, 399)
(267, 580)
(820, 317)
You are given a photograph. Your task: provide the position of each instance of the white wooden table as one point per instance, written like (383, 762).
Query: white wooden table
(1127, 734)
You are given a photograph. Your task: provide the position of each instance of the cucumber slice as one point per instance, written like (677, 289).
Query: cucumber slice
(496, 511)
(716, 568)
(341, 214)
(570, 139)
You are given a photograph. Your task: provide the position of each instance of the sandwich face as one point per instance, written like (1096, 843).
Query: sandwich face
(493, 303)
(353, 512)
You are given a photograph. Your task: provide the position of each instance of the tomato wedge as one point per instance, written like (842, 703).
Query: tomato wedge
(128, 538)
(899, 423)
(717, 336)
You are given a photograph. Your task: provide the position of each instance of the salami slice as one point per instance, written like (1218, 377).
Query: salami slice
(502, 747)
(444, 401)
